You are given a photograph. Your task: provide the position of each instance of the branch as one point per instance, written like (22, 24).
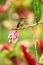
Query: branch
(41, 1)
(29, 26)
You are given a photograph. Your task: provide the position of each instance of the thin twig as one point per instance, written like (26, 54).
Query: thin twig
(41, 1)
(29, 26)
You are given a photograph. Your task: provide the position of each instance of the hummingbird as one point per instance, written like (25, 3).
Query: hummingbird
(20, 23)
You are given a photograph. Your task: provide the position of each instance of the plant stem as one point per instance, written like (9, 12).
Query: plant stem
(29, 26)
(34, 41)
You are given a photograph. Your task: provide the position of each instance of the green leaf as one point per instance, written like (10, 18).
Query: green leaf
(32, 51)
(38, 50)
(41, 59)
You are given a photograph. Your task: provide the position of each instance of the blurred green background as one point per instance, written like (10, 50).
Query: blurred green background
(24, 34)
(4, 32)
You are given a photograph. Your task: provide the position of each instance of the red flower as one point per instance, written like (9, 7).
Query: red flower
(40, 64)
(2, 9)
(1, 47)
(29, 58)
(14, 35)
(41, 45)
(5, 47)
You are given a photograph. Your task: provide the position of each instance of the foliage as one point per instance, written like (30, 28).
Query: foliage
(33, 34)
